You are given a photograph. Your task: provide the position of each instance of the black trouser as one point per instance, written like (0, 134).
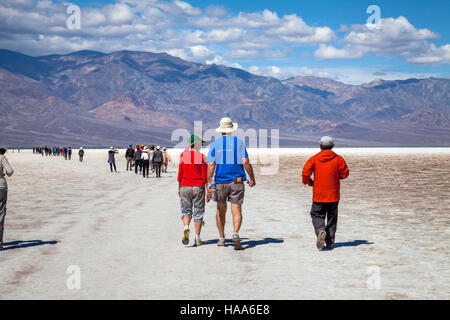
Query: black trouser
(81, 158)
(3, 198)
(328, 210)
(145, 164)
(157, 166)
(111, 166)
(137, 163)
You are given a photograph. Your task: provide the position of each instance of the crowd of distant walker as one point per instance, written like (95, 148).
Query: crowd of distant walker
(220, 176)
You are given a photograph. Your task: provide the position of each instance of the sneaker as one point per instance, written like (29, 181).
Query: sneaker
(237, 242)
(198, 242)
(185, 239)
(330, 246)
(221, 243)
(321, 235)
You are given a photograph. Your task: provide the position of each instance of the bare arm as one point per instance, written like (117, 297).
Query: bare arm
(211, 169)
(249, 168)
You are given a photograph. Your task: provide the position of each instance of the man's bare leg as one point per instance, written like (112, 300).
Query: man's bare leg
(187, 220)
(220, 218)
(236, 210)
(198, 227)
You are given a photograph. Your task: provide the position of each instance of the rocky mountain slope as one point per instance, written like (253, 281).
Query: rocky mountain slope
(97, 99)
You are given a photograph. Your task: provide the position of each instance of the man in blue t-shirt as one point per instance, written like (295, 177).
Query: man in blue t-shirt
(228, 158)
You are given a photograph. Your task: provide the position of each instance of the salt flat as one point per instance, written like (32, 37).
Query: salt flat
(124, 232)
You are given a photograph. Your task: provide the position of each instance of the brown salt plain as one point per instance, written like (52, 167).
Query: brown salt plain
(124, 232)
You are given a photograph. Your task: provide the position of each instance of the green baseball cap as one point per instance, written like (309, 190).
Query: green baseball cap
(196, 138)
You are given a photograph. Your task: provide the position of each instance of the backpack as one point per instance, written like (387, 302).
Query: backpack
(157, 156)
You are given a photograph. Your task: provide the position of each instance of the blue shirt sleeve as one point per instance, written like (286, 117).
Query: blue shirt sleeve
(242, 150)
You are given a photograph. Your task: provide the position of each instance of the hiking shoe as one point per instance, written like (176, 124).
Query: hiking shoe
(330, 246)
(221, 243)
(237, 242)
(321, 235)
(198, 242)
(185, 239)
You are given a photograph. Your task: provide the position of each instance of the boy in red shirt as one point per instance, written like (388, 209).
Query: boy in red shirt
(192, 181)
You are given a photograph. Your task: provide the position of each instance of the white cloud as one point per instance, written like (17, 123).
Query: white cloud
(394, 37)
(349, 75)
(118, 14)
(187, 8)
(212, 35)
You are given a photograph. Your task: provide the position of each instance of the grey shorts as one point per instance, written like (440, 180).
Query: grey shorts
(231, 191)
(192, 201)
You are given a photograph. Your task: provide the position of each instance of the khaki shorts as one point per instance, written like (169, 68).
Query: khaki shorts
(232, 191)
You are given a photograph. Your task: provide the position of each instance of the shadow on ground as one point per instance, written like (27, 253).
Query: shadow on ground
(25, 244)
(353, 243)
(246, 244)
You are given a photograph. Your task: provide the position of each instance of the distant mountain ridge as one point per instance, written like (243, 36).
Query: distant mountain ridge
(95, 99)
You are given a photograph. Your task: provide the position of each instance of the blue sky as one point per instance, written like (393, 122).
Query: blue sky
(273, 38)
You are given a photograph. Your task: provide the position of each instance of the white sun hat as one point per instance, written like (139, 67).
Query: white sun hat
(227, 125)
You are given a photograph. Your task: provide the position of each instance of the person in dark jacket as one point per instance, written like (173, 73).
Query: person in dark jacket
(81, 154)
(157, 161)
(111, 158)
(69, 152)
(129, 154)
(137, 158)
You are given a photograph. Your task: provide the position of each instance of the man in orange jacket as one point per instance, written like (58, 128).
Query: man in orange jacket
(328, 168)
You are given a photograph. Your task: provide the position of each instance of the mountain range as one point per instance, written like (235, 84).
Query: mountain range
(96, 99)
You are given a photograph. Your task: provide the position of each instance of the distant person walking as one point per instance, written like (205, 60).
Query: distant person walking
(5, 168)
(228, 158)
(129, 154)
(81, 154)
(157, 161)
(69, 152)
(151, 152)
(328, 169)
(145, 156)
(137, 158)
(192, 181)
(166, 160)
(111, 158)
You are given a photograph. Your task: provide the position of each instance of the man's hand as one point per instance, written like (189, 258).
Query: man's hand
(310, 184)
(251, 183)
(208, 193)
(179, 192)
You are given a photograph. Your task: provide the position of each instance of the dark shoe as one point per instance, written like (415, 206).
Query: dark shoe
(221, 243)
(321, 235)
(330, 246)
(237, 242)
(185, 239)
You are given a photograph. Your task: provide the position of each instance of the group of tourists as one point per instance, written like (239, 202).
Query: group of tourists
(220, 176)
(65, 152)
(142, 159)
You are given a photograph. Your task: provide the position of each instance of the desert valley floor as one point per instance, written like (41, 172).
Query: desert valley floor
(124, 232)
